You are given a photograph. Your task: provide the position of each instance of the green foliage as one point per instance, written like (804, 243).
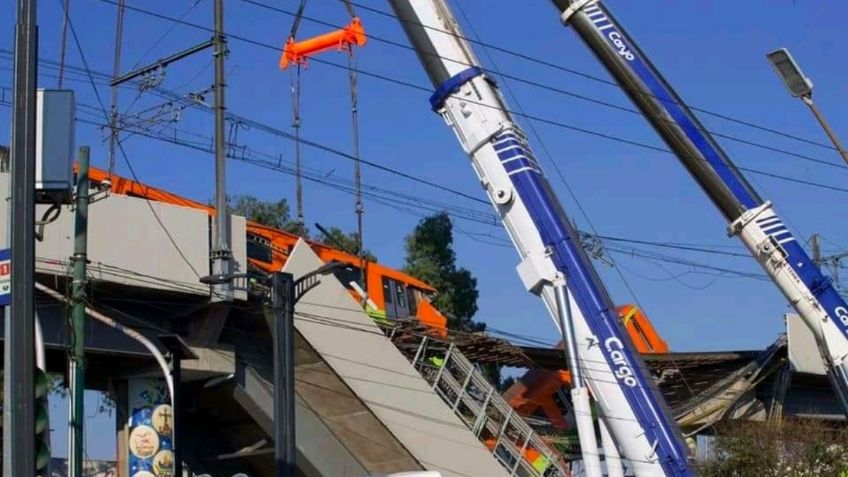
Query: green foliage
(430, 258)
(790, 449)
(272, 214)
(346, 242)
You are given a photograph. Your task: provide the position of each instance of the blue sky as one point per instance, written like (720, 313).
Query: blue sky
(713, 53)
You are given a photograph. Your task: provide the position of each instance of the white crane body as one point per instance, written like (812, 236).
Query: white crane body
(553, 261)
(750, 218)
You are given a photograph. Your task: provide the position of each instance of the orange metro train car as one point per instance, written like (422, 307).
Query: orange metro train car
(391, 294)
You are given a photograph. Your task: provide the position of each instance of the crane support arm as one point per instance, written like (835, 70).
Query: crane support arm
(548, 245)
(751, 219)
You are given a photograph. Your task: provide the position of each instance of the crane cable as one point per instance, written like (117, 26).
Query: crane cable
(359, 207)
(296, 124)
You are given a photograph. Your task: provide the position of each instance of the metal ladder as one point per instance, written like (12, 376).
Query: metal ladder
(478, 404)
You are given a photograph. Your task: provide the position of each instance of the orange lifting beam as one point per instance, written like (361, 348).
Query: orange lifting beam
(296, 52)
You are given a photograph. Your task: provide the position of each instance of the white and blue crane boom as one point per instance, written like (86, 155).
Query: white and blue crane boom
(553, 263)
(750, 218)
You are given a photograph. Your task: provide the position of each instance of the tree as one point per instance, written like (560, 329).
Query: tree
(278, 215)
(430, 258)
(272, 214)
(792, 448)
(346, 242)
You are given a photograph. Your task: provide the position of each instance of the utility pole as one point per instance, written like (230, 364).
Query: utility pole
(77, 360)
(116, 70)
(221, 254)
(19, 388)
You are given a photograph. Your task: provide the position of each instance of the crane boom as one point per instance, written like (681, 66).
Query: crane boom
(750, 218)
(553, 261)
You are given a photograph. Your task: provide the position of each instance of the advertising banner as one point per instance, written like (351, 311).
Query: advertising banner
(151, 429)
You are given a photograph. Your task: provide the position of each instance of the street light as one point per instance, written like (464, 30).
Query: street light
(285, 293)
(800, 86)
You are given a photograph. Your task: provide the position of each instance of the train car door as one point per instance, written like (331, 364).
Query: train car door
(397, 302)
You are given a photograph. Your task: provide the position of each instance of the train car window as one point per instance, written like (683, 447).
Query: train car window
(259, 249)
(349, 274)
(388, 296)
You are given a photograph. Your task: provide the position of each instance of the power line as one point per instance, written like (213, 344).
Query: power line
(559, 90)
(94, 86)
(121, 147)
(283, 134)
(243, 154)
(685, 247)
(591, 77)
(548, 121)
(391, 200)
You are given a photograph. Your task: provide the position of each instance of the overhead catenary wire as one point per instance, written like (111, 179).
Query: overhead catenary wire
(167, 94)
(392, 202)
(583, 97)
(594, 78)
(498, 241)
(543, 120)
(105, 112)
(626, 252)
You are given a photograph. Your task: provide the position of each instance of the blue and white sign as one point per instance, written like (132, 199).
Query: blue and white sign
(5, 277)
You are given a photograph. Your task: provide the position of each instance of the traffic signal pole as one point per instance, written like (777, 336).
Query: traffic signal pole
(19, 388)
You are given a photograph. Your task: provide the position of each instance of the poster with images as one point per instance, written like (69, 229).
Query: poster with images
(150, 443)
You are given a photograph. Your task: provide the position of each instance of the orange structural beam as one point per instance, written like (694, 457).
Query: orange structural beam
(536, 389)
(296, 52)
(641, 330)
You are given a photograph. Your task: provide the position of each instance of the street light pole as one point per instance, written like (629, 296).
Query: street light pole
(808, 100)
(282, 305)
(285, 293)
(800, 86)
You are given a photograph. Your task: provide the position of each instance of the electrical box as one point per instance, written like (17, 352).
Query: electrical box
(54, 145)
